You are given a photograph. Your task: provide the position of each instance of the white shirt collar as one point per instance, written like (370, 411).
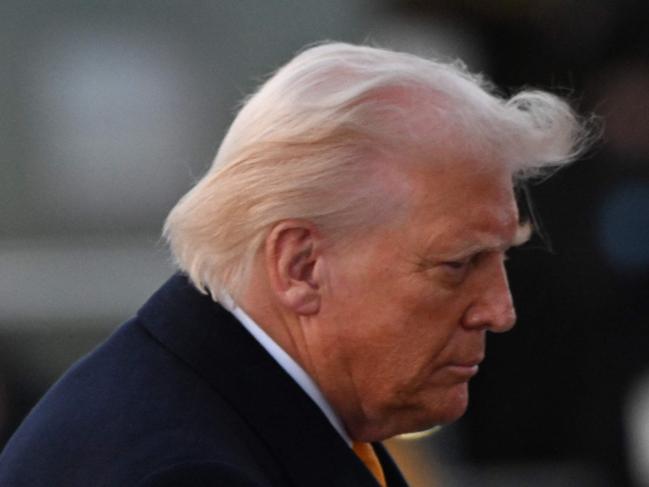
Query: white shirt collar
(290, 366)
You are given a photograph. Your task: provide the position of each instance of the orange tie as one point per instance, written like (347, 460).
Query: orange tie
(366, 453)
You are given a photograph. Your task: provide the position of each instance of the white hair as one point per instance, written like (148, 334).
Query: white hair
(300, 147)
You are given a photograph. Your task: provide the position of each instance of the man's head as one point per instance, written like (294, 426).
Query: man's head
(360, 208)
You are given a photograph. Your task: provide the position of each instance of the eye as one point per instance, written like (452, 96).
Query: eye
(453, 270)
(456, 264)
(456, 271)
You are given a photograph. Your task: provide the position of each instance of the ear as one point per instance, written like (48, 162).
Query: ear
(293, 259)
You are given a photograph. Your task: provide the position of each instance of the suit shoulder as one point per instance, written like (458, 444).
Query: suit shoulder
(201, 474)
(130, 408)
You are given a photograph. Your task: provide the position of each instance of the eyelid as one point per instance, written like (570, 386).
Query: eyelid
(469, 259)
(458, 263)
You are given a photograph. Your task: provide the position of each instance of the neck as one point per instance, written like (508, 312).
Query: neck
(283, 327)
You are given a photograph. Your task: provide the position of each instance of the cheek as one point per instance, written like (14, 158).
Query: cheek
(424, 336)
(408, 342)
(432, 312)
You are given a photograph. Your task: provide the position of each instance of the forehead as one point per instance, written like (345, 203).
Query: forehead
(462, 203)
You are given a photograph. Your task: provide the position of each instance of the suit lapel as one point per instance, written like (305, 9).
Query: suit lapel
(224, 354)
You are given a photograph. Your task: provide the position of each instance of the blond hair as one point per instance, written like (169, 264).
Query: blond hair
(300, 147)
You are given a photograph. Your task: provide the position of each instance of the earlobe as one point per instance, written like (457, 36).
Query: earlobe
(292, 254)
(301, 302)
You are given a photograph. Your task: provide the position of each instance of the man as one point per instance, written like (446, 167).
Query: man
(341, 263)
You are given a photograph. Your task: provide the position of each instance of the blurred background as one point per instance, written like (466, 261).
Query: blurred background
(109, 110)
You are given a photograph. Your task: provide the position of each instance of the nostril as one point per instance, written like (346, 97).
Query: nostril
(495, 317)
(477, 317)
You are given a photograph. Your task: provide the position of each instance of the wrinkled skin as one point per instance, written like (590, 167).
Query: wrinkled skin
(405, 309)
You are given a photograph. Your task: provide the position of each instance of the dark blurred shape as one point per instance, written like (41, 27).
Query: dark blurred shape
(624, 228)
(622, 91)
(637, 429)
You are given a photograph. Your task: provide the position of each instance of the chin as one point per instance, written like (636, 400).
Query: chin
(449, 408)
(451, 416)
(428, 418)
(437, 409)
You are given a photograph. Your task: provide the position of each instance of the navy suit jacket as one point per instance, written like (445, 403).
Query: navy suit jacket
(181, 395)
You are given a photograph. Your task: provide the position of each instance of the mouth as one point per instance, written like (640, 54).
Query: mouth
(465, 369)
(463, 372)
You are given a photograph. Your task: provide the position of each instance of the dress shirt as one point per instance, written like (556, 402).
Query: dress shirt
(289, 365)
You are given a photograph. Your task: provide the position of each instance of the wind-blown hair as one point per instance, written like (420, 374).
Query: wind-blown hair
(302, 147)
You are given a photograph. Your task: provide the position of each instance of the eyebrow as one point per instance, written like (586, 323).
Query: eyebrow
(523, 234)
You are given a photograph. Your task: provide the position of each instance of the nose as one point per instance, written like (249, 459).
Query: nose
(493, 309)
